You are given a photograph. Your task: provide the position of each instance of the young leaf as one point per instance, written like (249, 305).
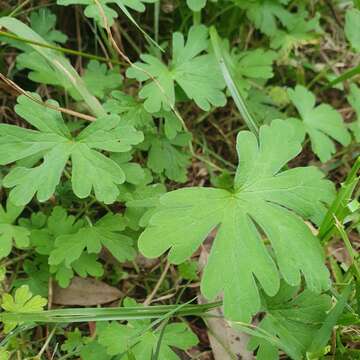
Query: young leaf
(142, 342)
(132, 112)
(167, 156)
(302, 32)
(21, 302)
(52, 141)
(263, 197)
(352, 28)
(321, 123)
(294, 319)
(106, 232)
(43, 22)
(92, 9)
(198, 75)
(43, 239)
(354, 100)
(265, 14)
(247, 66)
(9, 232)
(99, 79)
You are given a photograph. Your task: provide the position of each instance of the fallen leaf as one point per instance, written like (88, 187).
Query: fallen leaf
(85, 292)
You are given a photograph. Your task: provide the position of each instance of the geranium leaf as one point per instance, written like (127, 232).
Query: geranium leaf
(52, 141)
(321, 123)
(196, 73)
(263, 197)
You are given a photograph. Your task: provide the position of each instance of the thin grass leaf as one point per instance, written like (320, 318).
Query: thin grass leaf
(235, 93)
(74, 315)
(322, 336)
(343, 77)
(338, 208)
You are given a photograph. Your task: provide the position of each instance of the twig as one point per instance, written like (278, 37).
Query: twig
(56, 108)
(157, 286)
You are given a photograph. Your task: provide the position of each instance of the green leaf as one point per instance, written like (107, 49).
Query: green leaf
(263, 197)
(251, 64)
(323, 334)
(43, 22)
(266, 14)
(37, 279)
(92, 9)
(132, 112)
(168, 156)
(58, 224)
(94, 351)
(321, 123)
(196, 5)
(198, 75)
(140, 203)
(100, 80)
(106, 232)
(9, 232)
(91, 169)
(73, 342)
(293, 318)
(352, 28)
(302, 32)
(354, 100)
(21, 302)
(55, 60)
(188, 270)
(138, 337)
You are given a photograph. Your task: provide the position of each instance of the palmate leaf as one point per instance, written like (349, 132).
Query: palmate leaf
(99, 80)
(53, 142)
(43, 22)
(131, 111)
(263, 197)
(59, 223)
(321, 123)
(198, 75)
(22, 301)
(248, 66)
(302, 32)
(106, 232)
(10, 232)
(139, 340)
(92, 9)
(265, 14)
(292, 318)
(167, 156)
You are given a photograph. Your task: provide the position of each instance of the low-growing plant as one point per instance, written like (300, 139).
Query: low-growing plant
(195, 153)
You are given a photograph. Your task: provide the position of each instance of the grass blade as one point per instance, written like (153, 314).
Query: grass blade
(235, 93)
(338, 209)
(345, 76)
(323, 334)
(106, 314)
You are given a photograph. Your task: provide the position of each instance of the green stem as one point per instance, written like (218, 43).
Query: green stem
(60, 49)
(197, 17)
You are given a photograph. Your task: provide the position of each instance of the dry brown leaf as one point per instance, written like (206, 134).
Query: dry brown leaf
(85, 292)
